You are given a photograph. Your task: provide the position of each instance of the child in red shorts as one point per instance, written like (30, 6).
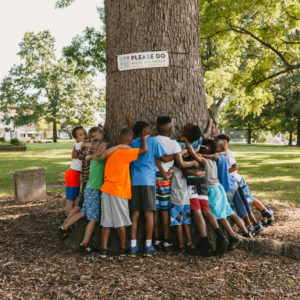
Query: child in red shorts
(72, 175)
(198, 194)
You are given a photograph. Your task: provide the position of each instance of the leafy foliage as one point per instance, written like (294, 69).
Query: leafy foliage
(44, 87)
(16, 142)
(63, 3)
(88, 51)
(244, 45)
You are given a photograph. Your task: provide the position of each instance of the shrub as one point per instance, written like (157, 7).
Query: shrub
(16, 142)
(2, 139)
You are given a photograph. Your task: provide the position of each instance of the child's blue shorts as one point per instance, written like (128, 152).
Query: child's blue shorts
(72, 192)
(91, 204)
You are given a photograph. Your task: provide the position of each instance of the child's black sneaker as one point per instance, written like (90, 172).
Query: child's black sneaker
(158, 244)
(64, 233)
(86, 249)
(102, 252)
(124, 252)
(190, 247)
(221, 244)
(206, 249)
(258, 227)
(167, 245)
(266, 213)
(234, 242)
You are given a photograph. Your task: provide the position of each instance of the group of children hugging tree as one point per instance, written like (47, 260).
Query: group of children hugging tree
(173, 183)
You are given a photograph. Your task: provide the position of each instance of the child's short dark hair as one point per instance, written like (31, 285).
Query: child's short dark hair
(139, 127)
(194, 133)
(211, 145)
(127, 132)
(223, 136)
(92, 132)
(125, 136)
(74, 135)
(160, 121)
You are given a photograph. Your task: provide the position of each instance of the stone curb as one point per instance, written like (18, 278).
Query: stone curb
(12, 149)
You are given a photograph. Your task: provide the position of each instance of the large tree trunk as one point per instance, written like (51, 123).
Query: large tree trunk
(145, 94)
(298, 133)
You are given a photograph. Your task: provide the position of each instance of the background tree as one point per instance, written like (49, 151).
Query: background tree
(284, 112)
(232, 118)
(44, 87)
(245, 44)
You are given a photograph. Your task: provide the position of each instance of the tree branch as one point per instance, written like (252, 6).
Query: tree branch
(245, 31)
(256, 83)
(287, 42)
(293, 17)
(215, 33)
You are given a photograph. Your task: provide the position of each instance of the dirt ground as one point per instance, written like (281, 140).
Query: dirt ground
(34, 264)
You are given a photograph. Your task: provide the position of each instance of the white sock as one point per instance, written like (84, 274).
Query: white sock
(133, 243)
(148, 243)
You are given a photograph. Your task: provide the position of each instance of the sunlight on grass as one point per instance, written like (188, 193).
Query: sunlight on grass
(271, 171)
(271, 179)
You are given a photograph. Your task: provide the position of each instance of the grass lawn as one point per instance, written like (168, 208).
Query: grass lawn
(273, 172)
(55, 158)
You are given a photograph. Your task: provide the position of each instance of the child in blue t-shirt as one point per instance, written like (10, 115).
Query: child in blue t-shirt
(143, 187)
(243, 186)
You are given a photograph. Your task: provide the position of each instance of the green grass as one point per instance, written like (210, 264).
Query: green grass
(55, 158)
(3, 144)
(273, 172)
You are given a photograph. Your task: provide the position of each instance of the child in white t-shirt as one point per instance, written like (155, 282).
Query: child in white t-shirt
(163, 177)
(72, 175)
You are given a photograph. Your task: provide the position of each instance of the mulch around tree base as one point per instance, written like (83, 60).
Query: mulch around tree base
(34, 264)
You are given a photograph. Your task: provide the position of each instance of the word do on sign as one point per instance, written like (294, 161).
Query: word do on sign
(142, 60)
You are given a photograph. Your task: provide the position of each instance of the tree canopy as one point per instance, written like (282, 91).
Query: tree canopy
(44, 87)
(245, 44)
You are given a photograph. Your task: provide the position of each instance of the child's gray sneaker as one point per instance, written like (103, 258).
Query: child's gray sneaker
(258, 227)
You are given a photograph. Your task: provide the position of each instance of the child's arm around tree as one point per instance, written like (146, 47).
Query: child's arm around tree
(109, 151)
(166, 175)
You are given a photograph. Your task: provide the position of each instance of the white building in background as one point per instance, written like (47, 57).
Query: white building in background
(22, 133)
(26, 132)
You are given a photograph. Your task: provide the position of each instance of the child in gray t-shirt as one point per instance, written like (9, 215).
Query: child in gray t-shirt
(180, 214)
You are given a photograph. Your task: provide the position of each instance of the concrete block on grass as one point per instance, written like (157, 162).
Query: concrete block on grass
(30, 185)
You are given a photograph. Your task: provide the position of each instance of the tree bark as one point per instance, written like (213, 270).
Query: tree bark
(54, 138)
(290, 138)
(144, 94)
(298, 132)
(249, 134)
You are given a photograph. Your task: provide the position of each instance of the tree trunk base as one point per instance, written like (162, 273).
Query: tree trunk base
(75, 238)
(261, 245)
(272, 247)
